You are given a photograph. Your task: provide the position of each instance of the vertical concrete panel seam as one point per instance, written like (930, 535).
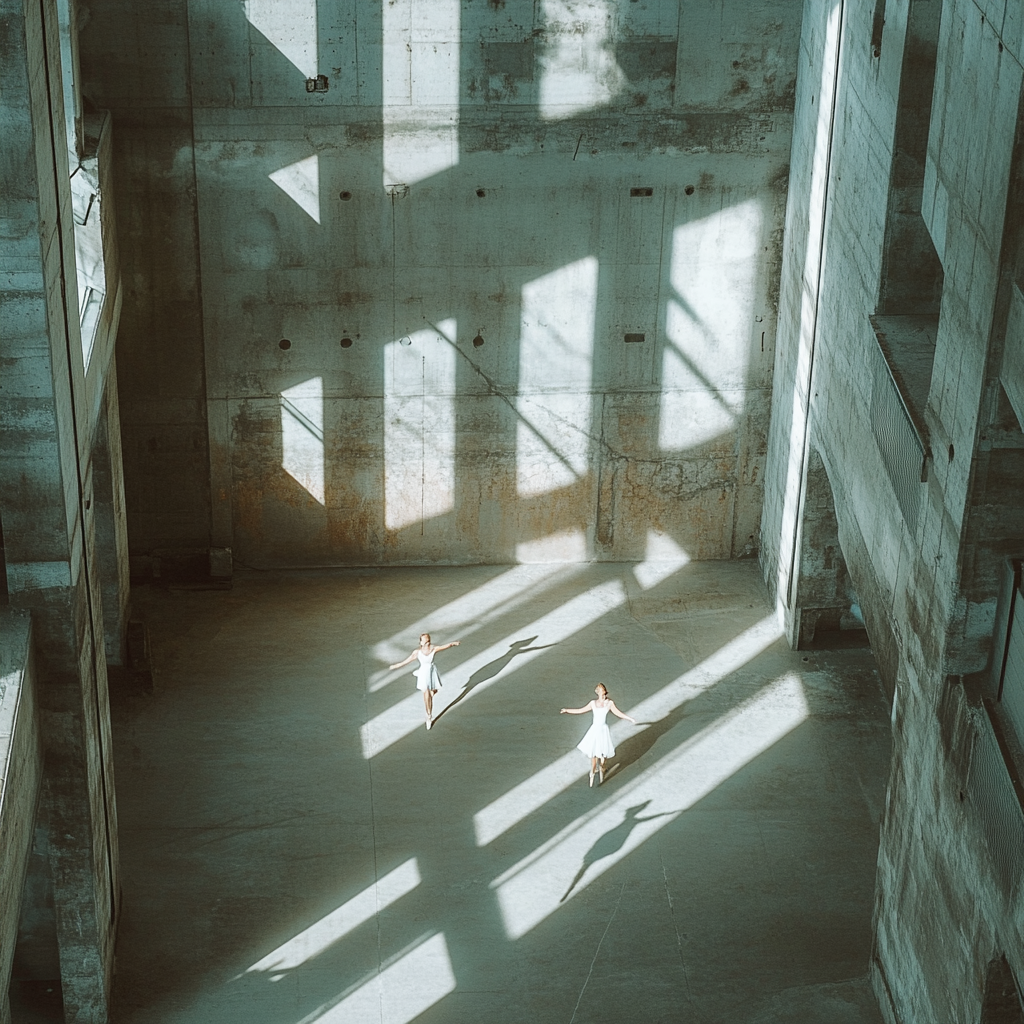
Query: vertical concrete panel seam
(197, 234)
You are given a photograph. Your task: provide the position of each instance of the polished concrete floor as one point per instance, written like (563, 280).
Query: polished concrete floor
(297, 847)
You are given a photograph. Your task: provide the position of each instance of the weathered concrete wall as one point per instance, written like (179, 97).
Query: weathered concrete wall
(21, 765)
(111, 526)
(789, 443)
(926, 581)
(518, 132)
(46, 498)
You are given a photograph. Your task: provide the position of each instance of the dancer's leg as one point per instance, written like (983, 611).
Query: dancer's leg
(428, 704)
(600, 769)
(593, 768)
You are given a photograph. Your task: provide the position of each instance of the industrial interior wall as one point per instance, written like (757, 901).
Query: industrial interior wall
(447, 282)
(942, 914)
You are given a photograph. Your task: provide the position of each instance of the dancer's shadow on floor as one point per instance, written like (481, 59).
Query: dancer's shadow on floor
(492, 668)
(630, 750)
(611, 842)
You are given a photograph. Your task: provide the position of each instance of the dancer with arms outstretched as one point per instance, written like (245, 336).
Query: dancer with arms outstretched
(427, 678)
(597, 744)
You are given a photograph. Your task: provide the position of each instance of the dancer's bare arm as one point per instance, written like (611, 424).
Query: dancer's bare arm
(616, 711)
(402, 664)
(444, 647)
(576, 711)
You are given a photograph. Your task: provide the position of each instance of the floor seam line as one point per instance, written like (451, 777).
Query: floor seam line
(597, 952)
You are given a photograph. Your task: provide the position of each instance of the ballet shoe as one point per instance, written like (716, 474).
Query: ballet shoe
(591, 779)
(429, 723)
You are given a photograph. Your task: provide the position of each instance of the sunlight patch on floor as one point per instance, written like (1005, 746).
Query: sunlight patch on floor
(530, 795)
(568, 619)
(664, 558)
(400, 992)
(312, 941)
(584, 850)
(470, 612)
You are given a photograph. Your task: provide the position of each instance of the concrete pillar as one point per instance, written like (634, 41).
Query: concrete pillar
(111, 524)
(46, 499)
(823, 592)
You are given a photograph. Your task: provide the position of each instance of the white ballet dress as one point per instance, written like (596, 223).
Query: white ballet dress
(598, 740)
(427, 677)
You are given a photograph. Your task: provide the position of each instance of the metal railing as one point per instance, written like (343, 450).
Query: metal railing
(901, 437)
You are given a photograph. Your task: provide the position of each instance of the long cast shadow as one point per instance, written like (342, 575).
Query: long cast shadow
(611, 842)
(630, 750)
(492, 668)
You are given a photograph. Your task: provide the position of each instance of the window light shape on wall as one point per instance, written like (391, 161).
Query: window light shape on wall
(300, 181)
(289, 25)
(302, 435)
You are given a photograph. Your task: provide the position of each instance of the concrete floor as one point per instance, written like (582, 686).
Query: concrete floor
(296, 847)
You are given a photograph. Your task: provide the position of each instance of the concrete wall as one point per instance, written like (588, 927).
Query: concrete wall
(47, 429)
(254, 212)
(21, 763)
(927, 584)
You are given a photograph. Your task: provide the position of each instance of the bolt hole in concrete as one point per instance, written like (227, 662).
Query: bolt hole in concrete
(688, 190)
(284, 344)
(405, 341)
(478, 341)
(345, 196)
(641, 193)
(346, 342)
(481, 193)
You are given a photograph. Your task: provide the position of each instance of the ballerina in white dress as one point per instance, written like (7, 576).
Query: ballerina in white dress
(427, 678)
(597, 744)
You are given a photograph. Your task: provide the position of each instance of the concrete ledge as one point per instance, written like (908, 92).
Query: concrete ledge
(21, 765)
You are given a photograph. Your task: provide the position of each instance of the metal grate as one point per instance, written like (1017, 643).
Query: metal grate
(902, 449)
(992, 793)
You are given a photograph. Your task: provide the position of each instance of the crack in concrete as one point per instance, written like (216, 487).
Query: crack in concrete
(679, 942)
(596, 953)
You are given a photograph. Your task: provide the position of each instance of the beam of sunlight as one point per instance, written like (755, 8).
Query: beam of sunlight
(312, 941)
(291, 26)
(556, 349)
(419, 427)
(408, 987)
(584, 850)
(564, 546)
(420, 89)
(300, 181)
(530, 795)
(90, 265)
(406, 716)
(578, 70)
(708, 324)
(469, 613)
(302, 435)
(813, 260)
(664, 558)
